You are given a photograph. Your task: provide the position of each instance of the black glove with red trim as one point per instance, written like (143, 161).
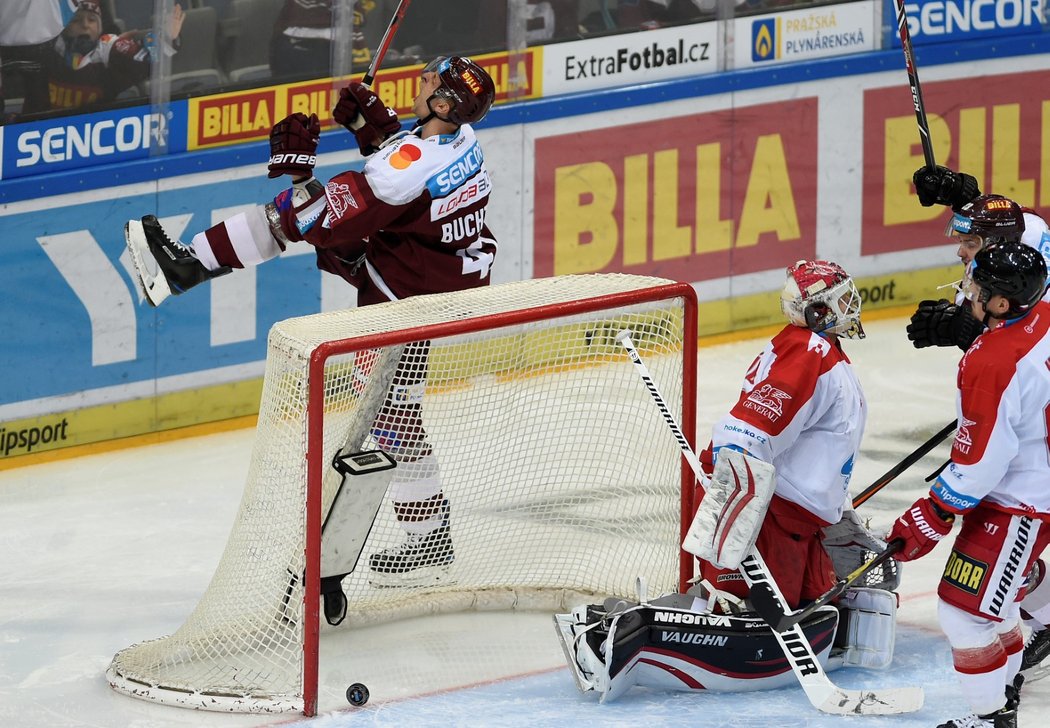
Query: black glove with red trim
(293, 146)
(366, 116)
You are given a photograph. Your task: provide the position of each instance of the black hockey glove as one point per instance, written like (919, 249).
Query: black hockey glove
(941, 186)
(942, 323)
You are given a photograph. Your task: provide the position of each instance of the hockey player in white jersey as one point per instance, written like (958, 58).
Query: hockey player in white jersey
(977, 221)
(995, 482)
(800, 397)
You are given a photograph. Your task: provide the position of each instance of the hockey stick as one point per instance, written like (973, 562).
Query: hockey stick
(823, 694)
(384, 44)
(916, 90)
(771, 610)
(891, 474)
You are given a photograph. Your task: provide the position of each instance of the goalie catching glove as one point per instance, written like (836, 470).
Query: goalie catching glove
(942, 323)
(920, 528)
(366, 117)
(941, 186)
(727, 523)
(293, 146)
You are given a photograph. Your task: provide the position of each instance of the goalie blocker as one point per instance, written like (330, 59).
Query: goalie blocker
(669, 644)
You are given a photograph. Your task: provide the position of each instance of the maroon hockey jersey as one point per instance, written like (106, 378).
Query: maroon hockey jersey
(413, 222)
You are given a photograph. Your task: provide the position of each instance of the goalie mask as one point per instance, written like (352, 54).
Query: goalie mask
(465, 85)
(820, 296)
(992, 218)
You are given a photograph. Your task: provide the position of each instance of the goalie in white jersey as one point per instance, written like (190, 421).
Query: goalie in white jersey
(799, 419)
(996, 481)
(801, 409)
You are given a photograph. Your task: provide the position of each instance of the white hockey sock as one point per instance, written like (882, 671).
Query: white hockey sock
(417, 487)
(238, 241)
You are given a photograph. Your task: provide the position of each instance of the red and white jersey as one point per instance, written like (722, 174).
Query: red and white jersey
(802, 409)
(1001, 453)
(416, 213)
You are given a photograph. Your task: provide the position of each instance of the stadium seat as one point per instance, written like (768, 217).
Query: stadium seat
(194, 68)
(250, 27)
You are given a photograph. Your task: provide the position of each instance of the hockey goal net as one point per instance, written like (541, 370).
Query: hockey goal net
(559, 481)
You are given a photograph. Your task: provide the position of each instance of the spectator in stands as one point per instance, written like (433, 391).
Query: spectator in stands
(301, 44)
(27, 28)
(85, 66)
(650, 14)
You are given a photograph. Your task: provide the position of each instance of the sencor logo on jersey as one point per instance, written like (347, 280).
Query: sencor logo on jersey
(456, 173)
(476, 189)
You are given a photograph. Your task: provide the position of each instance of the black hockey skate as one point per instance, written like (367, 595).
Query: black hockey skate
(1005, 717)
(164, 267)
(1036, 649)
(422, 560)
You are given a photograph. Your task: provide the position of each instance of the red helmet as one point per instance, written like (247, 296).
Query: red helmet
(465, 86)
(994, 218)
(820, 296)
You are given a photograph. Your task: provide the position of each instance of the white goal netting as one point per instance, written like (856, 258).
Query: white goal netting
(518, 420)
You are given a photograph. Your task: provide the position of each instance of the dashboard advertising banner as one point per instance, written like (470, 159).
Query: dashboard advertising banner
(796, 35)
(689, 198)
(999, 136)
(245, 116)
(106, 137)
(941, 21)
(654, 55)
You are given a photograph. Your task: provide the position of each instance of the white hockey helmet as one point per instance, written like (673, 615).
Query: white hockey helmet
(820, 296)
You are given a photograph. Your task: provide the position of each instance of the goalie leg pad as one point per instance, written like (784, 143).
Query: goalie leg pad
(869, 628)
(730, 515)
(670, 648)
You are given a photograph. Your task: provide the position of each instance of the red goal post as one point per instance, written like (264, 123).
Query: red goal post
(585, 480)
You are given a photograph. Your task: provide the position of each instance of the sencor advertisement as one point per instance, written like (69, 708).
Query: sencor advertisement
(796, 35)
(999, 136)
(940, 21)
(689, 198)
(106, 137)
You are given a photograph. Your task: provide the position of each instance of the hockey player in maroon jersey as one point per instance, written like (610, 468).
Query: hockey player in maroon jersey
(411, 222)
(995, 481)
(85, 66)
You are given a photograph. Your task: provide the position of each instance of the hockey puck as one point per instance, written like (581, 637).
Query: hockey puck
(357, 695)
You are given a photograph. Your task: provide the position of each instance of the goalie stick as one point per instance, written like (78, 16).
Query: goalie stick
(913, 80)
(772, 609)
(891, 474)
(823, 694)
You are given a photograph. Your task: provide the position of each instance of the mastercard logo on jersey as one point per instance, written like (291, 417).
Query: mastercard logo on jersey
(404, 156)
